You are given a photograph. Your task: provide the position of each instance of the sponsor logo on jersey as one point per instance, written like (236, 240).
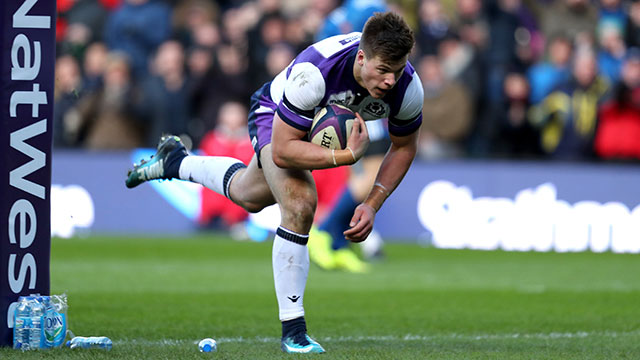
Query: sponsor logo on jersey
(344, 98)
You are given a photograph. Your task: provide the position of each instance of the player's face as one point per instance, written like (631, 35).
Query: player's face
(378, 76)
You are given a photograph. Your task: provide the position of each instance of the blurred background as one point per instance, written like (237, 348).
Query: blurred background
(530, 138)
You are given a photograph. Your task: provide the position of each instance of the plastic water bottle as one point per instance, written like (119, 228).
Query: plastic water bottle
(37, 315)
(91, 342)
(48, 312)
(22, 324)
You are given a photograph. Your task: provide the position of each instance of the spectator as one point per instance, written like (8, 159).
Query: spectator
(194, 23)
(571, 17)
(349, 17)
(501, 48)
(299, 33)
(471, 24)
(612, 12)
(137, 28)
(529, 38)
(206, 35)
(618, 134)
(448, 113)
(235, 24)
(632, 29)
(94, 63)
(79, 23)
(611, 51)
(67, 92)
(107, 119)
(279, 56)
(433, 26)
(460, 62)
(511, 134)
(226, 80)
(165, 93)
(200, 68)
(546, 75)
(568, 116)
(269, 31)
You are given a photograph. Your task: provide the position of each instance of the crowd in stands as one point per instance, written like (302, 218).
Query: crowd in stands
(502, 78)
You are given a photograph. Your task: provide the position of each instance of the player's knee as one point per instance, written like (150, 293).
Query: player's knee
(299, 210)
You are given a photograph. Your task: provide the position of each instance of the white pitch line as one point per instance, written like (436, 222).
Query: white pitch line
(395, 338)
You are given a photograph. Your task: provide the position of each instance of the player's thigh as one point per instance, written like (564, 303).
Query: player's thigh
(293, 189)
(250, 189)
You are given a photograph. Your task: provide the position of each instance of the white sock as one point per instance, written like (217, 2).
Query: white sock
(290, 269)
(214, 172)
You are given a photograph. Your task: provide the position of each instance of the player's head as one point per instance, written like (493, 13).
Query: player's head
(387, 35)
(384, 49)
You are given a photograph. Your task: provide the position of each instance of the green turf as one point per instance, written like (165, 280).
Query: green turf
(156, 297)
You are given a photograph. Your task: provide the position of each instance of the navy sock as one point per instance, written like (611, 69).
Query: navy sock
(292, 327)
(172, 166)
(338, 220)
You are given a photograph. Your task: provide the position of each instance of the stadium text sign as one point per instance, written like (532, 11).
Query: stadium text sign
(28, 52)
(534, 220)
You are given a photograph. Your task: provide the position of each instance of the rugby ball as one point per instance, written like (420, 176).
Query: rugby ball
(331, 127)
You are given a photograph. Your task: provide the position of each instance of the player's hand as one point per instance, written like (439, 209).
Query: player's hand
(361, 223)
(359, 139)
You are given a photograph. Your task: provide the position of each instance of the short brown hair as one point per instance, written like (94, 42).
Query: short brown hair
(388, 36)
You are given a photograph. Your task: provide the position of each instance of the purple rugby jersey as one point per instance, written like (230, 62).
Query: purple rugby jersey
(322, 74)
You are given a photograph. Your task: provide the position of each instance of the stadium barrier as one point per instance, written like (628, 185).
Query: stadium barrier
(540, 206)
(27, 32)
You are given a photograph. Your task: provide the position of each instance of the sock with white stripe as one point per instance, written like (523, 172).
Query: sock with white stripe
(214, 172)
(290, 269)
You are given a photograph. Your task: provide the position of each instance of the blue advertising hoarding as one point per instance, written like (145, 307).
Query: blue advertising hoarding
(540, 206)
(28, 52)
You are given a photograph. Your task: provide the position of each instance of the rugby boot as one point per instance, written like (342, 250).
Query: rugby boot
(301, 343)
(163, 164)
(346, 259)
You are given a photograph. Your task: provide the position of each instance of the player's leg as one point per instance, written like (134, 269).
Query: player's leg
(244, 185)
(295, 192)
(217, 173)
(337, 221)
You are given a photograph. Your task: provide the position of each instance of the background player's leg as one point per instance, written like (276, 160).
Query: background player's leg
(337, 221)
(338, 254)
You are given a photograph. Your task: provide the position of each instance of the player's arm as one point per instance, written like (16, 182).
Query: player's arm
(395, 165)
(291, 151)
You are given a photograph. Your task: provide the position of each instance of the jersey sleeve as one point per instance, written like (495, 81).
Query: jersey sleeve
(409, 116)
(303, 91)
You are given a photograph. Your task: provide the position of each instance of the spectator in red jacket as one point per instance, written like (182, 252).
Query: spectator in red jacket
(618, 134)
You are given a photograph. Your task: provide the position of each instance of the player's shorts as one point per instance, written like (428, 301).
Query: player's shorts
(261, 112)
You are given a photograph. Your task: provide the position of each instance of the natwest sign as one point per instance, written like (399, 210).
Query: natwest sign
(28, 55)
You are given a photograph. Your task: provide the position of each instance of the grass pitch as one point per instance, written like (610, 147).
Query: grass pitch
(155, 298)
